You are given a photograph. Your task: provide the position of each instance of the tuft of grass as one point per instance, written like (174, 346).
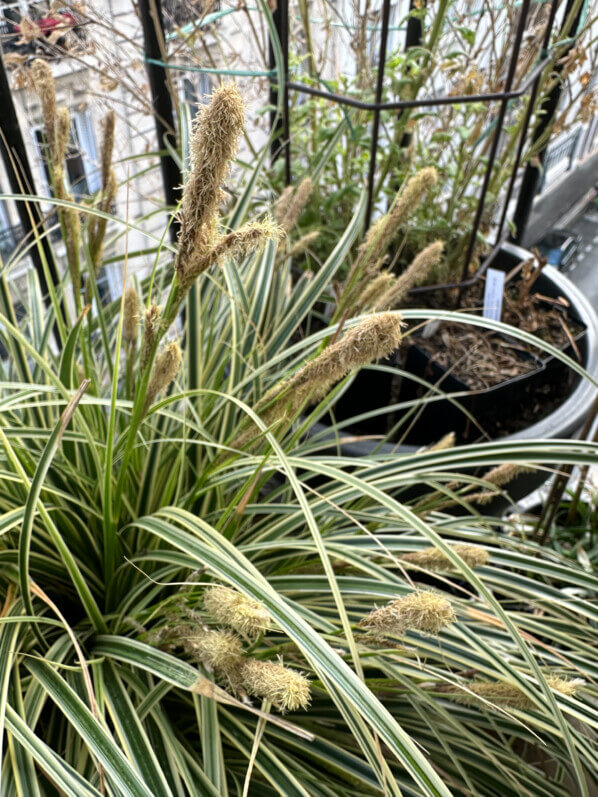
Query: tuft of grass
(155, 575)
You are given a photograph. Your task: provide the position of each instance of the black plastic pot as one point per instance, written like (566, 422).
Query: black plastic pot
(374, 389)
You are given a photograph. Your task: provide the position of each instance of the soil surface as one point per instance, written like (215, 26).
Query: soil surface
(483, 358)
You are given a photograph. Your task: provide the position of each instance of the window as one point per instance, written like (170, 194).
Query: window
(10, 235)
(109, 282)
(194, 91)
(81, 160)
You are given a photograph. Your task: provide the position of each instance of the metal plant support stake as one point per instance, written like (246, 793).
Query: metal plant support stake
(533, 173)
(279, 126)
(529, 87)
(150, 12)
(376, 120)
(413, 38)
(523, 12)
(20, 176)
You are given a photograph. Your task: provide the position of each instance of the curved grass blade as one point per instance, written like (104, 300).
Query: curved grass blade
(31, 507)
(62, 776)
(131, 732)
(95, 736)
(203, 544)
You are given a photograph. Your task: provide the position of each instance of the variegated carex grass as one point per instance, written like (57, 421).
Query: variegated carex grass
(200, 597)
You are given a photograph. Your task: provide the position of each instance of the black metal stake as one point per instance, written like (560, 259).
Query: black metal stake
(376, 119)
(548, 109)
(20, 176)
(528, 117)
(496, 139)
(150, 12)
(423, 102)
(413, 38)
(281, 144)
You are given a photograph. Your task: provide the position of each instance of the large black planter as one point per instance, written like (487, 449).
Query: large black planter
(563, 422)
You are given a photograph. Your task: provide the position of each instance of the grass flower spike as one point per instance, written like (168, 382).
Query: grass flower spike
(43, 81)
(97, 224)
(294, 204)
(372, 339)
(230, 608)
(166, 367)
(216, 134)
(372, 297)
(283, 204)
(107, 148)
(436, 560)
(370, 256)
(385, 229)
(286, 689)
(303, 244)
(426, 612)
(415, 274)
(505, 473)
(508, 694)
(239, 243)
(151, 331)
(131, 316)
(57, 135)
(499, 477)
(63, 130)
(446, 442)
(221, 650)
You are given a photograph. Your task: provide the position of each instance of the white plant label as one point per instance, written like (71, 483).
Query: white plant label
(495, 283)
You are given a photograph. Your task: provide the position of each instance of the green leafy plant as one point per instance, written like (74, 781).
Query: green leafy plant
(465, 52)
(181, 561)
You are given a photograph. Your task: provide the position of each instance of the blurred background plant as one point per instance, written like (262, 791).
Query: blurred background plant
(434, 50)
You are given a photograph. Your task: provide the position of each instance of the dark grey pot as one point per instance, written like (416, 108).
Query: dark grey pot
(562, 423)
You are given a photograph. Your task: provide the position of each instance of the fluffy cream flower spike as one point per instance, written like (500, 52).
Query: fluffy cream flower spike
(426, 612)
(98, 224)
(107, 147)
(151, 330)
(415, 274)
(233, 609)
(294, 204)
(166, 367)
(436, 560)
(446, 442)
(508, 694)
(283, 203)
(131, 317)
(221, 650)
(286, 689)
(252, 237)
(370, 255)
(505, 473)
(216, 134)
(372, 295)
(381, 233)
(57, 132)
(63, 131)
(499, 477)
(43, 82)
(303, 243)
(374, 338)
